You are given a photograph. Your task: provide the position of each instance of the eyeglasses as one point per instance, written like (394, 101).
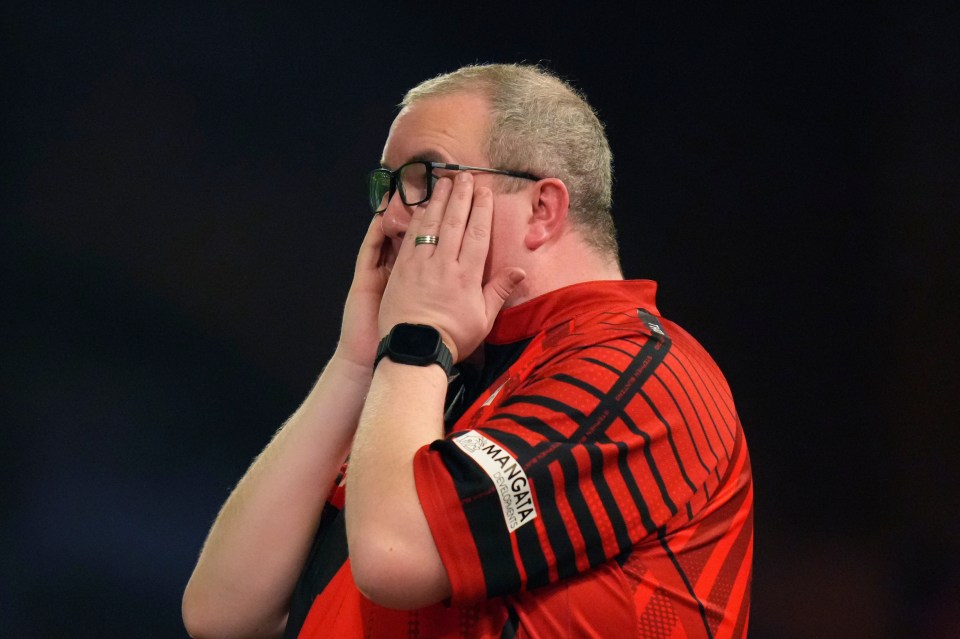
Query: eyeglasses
(415, 182)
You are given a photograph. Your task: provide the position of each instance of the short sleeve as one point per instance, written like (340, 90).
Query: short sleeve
(573, 460)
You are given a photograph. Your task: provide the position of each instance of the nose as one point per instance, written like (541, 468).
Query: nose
(395, 218)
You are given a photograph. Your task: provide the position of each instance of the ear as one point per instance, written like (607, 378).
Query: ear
(549, 202)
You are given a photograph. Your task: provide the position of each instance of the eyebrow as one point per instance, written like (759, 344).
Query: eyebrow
(423, 156)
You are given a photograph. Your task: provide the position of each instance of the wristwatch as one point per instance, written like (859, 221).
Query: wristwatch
(416, 344)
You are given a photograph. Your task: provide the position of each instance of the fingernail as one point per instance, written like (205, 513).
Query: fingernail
(463, 176)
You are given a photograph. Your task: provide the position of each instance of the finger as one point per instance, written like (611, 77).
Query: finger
(427, 219)
(375, 260)
(455, 216)
(371, 248)
(499, 289)
(406, 245)
(476, 236)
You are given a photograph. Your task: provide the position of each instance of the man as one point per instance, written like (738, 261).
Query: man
(582, 471)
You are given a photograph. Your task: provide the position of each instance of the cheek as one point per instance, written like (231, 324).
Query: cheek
(506, 235)
(502, 253)
(495, 253)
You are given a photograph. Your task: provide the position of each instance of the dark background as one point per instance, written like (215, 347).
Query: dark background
(183, 194)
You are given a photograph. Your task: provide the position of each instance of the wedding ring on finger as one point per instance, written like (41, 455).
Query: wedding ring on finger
(425, 239)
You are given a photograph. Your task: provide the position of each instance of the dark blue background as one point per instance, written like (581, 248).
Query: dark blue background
(183, 194)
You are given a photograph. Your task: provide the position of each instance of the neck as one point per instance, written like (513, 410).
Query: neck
(569, 260)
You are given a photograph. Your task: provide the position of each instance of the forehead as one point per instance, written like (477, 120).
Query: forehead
(449, 128)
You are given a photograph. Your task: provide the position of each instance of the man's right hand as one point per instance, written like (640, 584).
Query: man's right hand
(358, 333)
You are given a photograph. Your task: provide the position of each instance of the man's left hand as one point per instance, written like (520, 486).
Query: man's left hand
(443, 285)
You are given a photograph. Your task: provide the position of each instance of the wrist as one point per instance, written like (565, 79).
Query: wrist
(415, 345)
(343, 366)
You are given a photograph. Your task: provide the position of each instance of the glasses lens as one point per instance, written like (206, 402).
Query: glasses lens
(378, 186)
(413, 182)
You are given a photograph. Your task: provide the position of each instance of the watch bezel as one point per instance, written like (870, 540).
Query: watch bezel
(407, 345)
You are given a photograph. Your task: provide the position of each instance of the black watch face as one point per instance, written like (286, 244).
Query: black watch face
(415, 341)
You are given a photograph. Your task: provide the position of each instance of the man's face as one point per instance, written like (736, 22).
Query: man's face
(451, 129)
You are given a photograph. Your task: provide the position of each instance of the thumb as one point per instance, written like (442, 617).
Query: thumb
(500, 287)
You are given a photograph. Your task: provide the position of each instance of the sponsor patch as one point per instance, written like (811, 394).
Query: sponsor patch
(507, 475)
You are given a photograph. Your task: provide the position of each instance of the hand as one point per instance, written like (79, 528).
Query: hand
(359, 335)
(442, 286)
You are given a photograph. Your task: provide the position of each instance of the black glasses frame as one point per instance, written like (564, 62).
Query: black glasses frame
(380, 205)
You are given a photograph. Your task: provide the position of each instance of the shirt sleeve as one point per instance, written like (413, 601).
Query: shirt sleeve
(571, 465)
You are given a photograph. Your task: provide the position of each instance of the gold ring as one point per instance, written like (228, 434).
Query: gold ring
(425, 239)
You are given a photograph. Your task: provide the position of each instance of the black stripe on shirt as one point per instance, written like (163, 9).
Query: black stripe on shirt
(676, 405)
(673, 444)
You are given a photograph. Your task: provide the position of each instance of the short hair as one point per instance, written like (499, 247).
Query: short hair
(540, 124)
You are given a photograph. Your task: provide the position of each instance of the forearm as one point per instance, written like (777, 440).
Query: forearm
(256, 548)
(392, 552)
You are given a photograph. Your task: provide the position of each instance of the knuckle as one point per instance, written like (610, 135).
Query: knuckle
(451, 222)
(478, 232)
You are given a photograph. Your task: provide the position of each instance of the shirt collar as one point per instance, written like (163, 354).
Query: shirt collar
(553, 308)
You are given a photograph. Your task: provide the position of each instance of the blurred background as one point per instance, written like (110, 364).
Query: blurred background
(182, 196)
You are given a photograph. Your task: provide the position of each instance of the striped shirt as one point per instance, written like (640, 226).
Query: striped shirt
(597, 485)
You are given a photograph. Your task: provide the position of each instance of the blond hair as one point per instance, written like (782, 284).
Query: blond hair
(541, 125)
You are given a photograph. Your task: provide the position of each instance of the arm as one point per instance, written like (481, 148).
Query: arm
(392, 553)
(394, 560)
(254, 553)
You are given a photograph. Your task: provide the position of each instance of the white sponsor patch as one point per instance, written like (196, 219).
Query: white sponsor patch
(507, 475)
